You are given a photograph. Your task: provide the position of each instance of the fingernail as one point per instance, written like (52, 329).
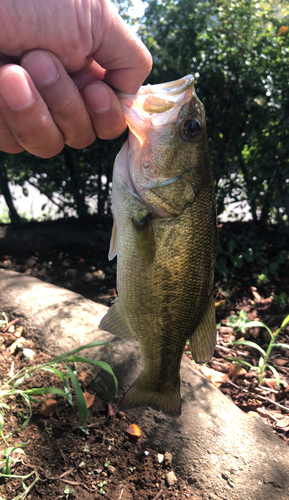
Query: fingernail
(15, 90)
(97, 98)
(41, 68)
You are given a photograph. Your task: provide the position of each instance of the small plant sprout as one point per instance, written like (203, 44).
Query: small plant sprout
(107, 463)
(100, 485)
(240, 322)
(68, 491)
(262, 364)
(3, 321)
(86, 449)
(132, 469)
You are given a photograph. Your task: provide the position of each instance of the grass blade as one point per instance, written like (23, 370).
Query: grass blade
(63, 378)
(101, 364)
(44, 390)
(251, 344)
(286, 320)
(70, 353)
(285, 346)
(276, 374)
(79, 395)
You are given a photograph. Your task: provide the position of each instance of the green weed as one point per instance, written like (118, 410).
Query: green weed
(239, 321)
(263, 360)
(12, 388)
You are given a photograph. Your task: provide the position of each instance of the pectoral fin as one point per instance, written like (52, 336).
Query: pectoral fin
(145, 239)
(113, 242)
(113, 322)
(203, 340)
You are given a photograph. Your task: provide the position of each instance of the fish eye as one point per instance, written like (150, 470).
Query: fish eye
(191, 129)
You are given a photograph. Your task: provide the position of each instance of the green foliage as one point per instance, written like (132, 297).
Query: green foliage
(241, 250)
(11, 453)
(263, 364)
(239, 322)
(241, 67)
(74, 180)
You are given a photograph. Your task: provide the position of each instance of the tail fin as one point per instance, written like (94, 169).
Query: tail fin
(142, 394)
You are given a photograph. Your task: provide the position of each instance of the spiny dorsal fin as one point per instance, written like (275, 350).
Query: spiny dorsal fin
(113, 242)
(145, 239)
(113, 322)
(203, 339)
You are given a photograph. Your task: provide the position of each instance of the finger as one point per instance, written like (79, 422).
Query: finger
(26, 114)
(61, 96)
(8, 144)
(105, 110)
(126, 59)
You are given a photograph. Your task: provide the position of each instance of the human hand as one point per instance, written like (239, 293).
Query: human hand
(69, 54)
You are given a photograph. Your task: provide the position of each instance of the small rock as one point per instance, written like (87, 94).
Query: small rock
(81, 465)
(171, 478)
(111, 469)
(168, 459)
(160, 458)
(28, 353)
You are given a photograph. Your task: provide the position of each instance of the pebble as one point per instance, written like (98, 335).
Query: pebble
(28, 353)
(171, 478)
(168, 459)
(160, 458)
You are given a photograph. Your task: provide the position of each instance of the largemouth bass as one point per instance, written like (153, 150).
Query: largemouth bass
(164, 236)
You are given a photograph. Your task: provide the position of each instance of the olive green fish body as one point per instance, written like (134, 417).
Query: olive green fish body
(165, 239)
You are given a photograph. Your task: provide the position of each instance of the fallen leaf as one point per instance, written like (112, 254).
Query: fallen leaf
(217, 378)
(81, 376)
(256, 295)
(219, 303)
(89, 399)
(48, 408)
(133, 430)
(281, 361)
(236, 371)
(226, 330)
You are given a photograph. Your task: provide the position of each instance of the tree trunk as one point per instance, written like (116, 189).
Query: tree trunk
(14, 216)
(77, 189)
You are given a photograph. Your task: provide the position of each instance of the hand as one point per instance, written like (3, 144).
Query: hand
(69, 54)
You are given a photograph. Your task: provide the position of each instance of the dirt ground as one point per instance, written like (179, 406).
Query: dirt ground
(105, 461)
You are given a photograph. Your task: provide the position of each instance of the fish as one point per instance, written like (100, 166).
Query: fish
(165, 238)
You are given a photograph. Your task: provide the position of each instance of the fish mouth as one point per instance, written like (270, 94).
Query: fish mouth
(156, 99)
(155, 105)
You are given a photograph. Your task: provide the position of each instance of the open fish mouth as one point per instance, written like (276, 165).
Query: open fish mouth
(159, 104)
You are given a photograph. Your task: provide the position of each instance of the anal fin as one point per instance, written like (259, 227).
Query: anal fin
(113, 322)
(203, 340)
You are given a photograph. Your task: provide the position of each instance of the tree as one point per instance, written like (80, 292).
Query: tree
(241, 67)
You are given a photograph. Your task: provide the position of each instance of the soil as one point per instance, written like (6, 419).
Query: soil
(105, 461)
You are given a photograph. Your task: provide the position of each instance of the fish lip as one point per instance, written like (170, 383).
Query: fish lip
(172, 88)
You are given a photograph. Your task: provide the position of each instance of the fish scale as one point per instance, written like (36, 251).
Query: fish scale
(165, 238)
